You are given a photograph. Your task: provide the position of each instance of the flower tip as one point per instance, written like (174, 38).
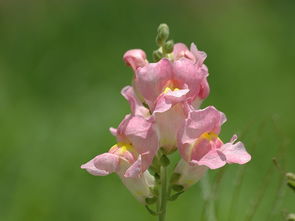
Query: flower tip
(163, 34)
(163, 27)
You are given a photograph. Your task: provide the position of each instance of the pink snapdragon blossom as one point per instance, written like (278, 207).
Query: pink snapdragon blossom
(141, 135)
(119, 158)
(131, 156)
(199, 144)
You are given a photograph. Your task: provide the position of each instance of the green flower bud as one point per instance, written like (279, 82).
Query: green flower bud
(163, 27)
(168, 47)
(157, 55)
(163, 34)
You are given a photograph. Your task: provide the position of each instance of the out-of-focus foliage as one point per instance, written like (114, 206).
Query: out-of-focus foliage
(61, 72)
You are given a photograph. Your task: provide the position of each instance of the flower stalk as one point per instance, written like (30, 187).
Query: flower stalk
(163, 193)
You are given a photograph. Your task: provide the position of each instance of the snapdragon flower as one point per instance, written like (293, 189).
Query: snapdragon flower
(201, 148)
(130, 157)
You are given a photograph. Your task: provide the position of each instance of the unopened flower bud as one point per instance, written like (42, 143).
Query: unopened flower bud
(157, 55)
(168, 47)
(163, 34)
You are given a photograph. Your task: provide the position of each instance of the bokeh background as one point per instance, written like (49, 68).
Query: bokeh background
(61, 72)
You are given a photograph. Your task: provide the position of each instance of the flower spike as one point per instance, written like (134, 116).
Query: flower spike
(165, 98)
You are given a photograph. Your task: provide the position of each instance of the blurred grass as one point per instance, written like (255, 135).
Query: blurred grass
(61, 72)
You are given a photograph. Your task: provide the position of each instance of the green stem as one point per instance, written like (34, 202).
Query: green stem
(163, 194)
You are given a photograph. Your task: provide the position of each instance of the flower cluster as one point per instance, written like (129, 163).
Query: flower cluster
(165, 99)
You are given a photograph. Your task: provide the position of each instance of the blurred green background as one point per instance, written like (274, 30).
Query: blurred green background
(61, 73)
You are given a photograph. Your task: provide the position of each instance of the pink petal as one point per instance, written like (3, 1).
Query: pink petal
(142, 163)
(200, 56)
(120, 131)
(113, 131)
(235, 153)
(201, 121)
(188, 76)
(102, 165)
(181, 51)
(168, 100)
(168, 124)
(135, 58)
(143, 136)
(151, 79)
(203, 93)
(138, 126)
(201, 148)
(135, 169)
(213, 159)
(136, 106)
(147, 158)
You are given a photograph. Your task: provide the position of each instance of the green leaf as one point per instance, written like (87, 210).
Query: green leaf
(177, 188)
(150, 201)
(152, 212)
(175, 196)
